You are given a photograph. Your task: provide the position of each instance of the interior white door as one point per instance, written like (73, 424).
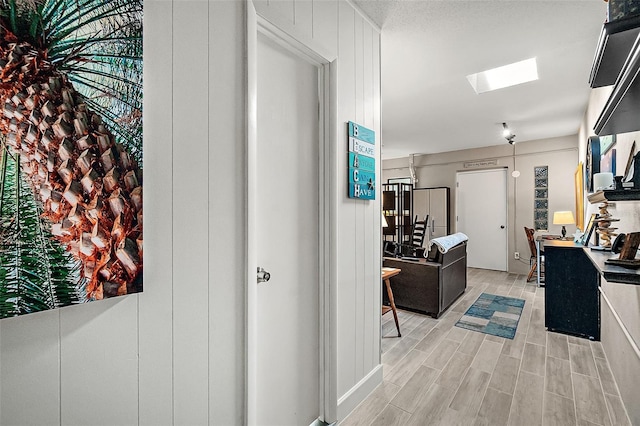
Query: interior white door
(287, 347)
(481, 209)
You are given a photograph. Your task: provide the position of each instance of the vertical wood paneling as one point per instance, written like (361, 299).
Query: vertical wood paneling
(30, 369)
(358, 48)
(368, 34)
(190, 207)
(347, 297)
(226, 218)
(175, 353)
(377, 245)
(262, 5)
(359, 286)
(99, 362)
(155, 303)
(325, 23)
(360, 206)
(368, 237)
(370, 282)
(303, 18)
(284, 8)
(310, 22)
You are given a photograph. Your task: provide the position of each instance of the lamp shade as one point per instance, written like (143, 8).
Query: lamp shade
(563, 218)
(602, 180)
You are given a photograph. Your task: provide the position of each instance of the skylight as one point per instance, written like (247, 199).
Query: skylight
(505, 76)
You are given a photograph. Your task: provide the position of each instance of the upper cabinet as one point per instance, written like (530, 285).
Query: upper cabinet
(614, 45)
(433, 204)
(617, 62)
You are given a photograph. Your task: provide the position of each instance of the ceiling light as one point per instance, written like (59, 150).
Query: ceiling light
(506, 76)
(508, 135)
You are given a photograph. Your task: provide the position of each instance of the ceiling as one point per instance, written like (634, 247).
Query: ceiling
(428, 47)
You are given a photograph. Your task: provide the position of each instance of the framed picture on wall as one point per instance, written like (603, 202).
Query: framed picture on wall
(71, 185)
(592, 164)
(606, 143)
(608, 162)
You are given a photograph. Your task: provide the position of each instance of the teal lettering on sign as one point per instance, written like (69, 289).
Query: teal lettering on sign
(362, 148)
(360, 132)
(362, 162)
(357, 190)
(360, 176)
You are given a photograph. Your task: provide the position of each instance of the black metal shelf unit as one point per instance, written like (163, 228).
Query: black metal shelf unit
(397, 208)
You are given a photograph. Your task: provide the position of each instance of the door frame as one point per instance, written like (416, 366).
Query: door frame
(506, 203)
(327, 215)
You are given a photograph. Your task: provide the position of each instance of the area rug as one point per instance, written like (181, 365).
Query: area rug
(491, 314)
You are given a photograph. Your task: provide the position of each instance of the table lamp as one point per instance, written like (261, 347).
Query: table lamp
(563, 218)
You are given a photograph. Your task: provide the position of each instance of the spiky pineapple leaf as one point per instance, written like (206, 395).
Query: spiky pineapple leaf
(36, 273)
(98, 44)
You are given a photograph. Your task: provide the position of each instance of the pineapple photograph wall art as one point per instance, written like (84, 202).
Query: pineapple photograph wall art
(70, 152)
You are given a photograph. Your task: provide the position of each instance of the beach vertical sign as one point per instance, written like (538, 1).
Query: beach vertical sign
(362, 162)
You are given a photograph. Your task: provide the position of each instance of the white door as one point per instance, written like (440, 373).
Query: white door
(481, 209)
(287, 318)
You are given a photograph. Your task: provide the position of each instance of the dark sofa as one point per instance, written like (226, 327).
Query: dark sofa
(429, 285)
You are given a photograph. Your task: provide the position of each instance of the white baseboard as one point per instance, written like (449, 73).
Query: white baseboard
(319, 422)
(350, 400)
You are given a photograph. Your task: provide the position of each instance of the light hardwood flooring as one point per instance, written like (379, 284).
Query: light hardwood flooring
(439, 374)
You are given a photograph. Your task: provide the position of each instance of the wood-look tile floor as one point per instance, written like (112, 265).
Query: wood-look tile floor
(439, 374)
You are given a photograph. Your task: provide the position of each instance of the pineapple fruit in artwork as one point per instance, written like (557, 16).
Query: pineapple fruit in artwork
(71, 178)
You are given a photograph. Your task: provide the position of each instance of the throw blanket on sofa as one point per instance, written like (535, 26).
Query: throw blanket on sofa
(448, 242)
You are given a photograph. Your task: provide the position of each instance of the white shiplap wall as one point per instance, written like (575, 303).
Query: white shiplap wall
(359, 242)
(175, 353)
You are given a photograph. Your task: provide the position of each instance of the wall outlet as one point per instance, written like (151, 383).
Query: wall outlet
(516, 255)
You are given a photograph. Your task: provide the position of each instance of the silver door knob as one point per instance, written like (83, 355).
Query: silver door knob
(263, 276)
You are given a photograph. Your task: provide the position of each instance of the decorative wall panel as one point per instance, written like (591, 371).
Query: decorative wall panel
(71, 161)
(540, 202)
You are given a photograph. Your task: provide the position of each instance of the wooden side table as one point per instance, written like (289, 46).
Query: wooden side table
(386, 274)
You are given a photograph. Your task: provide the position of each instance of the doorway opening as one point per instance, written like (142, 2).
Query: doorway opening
(288, 234)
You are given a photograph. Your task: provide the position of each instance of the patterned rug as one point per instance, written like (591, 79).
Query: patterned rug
(491, 314)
